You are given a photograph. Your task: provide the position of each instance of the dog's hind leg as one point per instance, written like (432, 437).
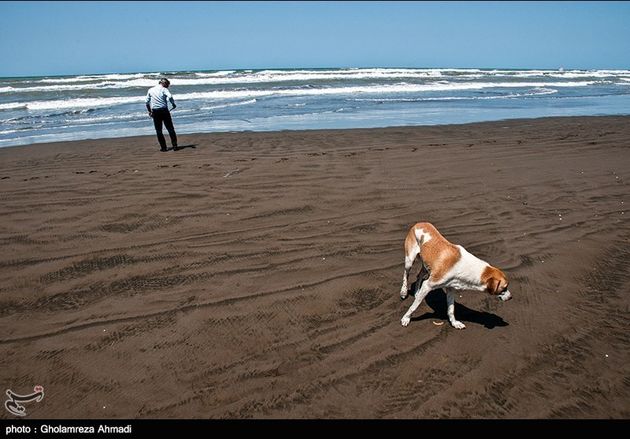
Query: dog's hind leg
(450, 308)
(412, 250)
(420, 294)
(404, 287)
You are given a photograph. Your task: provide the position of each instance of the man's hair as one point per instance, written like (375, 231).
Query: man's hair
(164, 81)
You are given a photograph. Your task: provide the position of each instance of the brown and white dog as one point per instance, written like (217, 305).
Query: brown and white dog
(450, 267)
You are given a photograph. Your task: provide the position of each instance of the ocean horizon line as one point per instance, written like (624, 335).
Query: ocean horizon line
(166, 71)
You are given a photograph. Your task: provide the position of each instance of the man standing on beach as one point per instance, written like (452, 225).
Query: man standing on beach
(157, 105)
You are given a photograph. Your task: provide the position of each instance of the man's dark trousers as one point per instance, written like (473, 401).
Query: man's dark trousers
(162, 115)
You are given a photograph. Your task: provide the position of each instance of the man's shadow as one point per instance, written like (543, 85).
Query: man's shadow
(180, 147)
(436, 300)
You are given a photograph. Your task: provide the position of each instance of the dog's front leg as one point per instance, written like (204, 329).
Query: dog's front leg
(450, 309)
(420, 294)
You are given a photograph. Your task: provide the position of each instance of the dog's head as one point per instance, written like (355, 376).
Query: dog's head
(496, 283)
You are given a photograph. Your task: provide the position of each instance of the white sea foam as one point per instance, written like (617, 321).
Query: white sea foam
(534, 92)
(67, 80)
(244, 94)
(376, 89)
(142, 82)
(214, 74)
(341, 73)
(118, 81)
(37, 88)
(267, 76)
(556, 73)
(82, 103)
(97, 119)
(231, 104)
(12, 106)
(87, 78)
(255, 78)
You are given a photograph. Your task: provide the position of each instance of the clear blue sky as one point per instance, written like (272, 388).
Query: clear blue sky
(54, 38)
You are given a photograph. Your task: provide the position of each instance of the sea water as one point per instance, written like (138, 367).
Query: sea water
(49, 109)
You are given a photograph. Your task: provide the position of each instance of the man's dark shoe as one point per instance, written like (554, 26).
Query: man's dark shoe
(163, 149)
(176, 148)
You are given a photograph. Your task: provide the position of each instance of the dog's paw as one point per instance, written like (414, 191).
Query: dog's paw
(405, 321)
(403, 296)
(458, 325)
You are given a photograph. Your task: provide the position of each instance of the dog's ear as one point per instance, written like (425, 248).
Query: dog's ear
(503, 284)
(493, 286)
(494, 279)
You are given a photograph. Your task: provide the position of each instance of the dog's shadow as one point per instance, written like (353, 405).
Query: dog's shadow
(436, 300)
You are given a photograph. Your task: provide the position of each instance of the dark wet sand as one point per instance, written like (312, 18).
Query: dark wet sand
(256, 275)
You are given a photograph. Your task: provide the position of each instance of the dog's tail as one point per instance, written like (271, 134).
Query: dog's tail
(422, 233)
(413, 243)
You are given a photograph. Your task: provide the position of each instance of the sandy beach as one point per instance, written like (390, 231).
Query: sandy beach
(256, 275)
